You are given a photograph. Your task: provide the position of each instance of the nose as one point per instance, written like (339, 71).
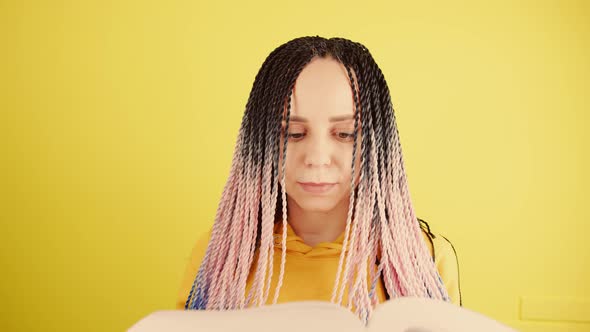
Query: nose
(318, 153)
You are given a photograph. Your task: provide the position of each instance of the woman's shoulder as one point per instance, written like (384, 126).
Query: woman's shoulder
(192, 263)
(445, 258)
(438, 244)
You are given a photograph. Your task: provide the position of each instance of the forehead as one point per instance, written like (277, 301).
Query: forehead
(322, 90)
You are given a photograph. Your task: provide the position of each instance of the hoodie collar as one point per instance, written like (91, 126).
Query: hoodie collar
(296, 246)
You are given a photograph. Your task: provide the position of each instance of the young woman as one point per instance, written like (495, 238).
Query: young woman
(317, 205)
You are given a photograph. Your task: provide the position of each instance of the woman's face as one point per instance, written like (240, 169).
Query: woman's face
(321, 137)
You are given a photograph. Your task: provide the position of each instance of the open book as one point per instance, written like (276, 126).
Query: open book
(404, 314)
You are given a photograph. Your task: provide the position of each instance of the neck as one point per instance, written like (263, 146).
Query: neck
(315, 227)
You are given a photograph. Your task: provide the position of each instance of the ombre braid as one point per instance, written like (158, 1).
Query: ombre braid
(381, 225)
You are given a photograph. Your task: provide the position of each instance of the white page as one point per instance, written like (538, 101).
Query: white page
(398, 315)
(284, 317)
(410, 314)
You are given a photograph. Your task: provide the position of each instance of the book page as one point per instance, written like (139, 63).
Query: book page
(405, 314)
(412, 314)
(283, 317)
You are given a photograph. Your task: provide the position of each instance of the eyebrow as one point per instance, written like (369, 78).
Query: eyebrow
(337, 118)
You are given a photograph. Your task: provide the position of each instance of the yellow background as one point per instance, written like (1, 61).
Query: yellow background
(119, 118)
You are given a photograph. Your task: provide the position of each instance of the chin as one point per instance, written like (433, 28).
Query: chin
(316, 204)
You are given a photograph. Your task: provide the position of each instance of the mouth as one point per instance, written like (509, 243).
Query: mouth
(317, 188)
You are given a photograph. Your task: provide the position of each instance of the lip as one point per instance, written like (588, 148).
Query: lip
(317, 188)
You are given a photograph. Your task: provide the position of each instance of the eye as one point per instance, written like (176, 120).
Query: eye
(346, 136)
(295, 136)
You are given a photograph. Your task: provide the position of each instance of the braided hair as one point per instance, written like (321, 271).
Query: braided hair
(381, 225)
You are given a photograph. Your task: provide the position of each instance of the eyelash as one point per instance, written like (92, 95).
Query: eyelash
(349, 136)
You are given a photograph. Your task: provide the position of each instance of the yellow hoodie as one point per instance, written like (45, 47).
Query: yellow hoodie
(310, 271)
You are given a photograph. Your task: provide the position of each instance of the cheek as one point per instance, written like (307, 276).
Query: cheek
(289, 176)
(357, 162)
(357, 170)
(357, 166)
